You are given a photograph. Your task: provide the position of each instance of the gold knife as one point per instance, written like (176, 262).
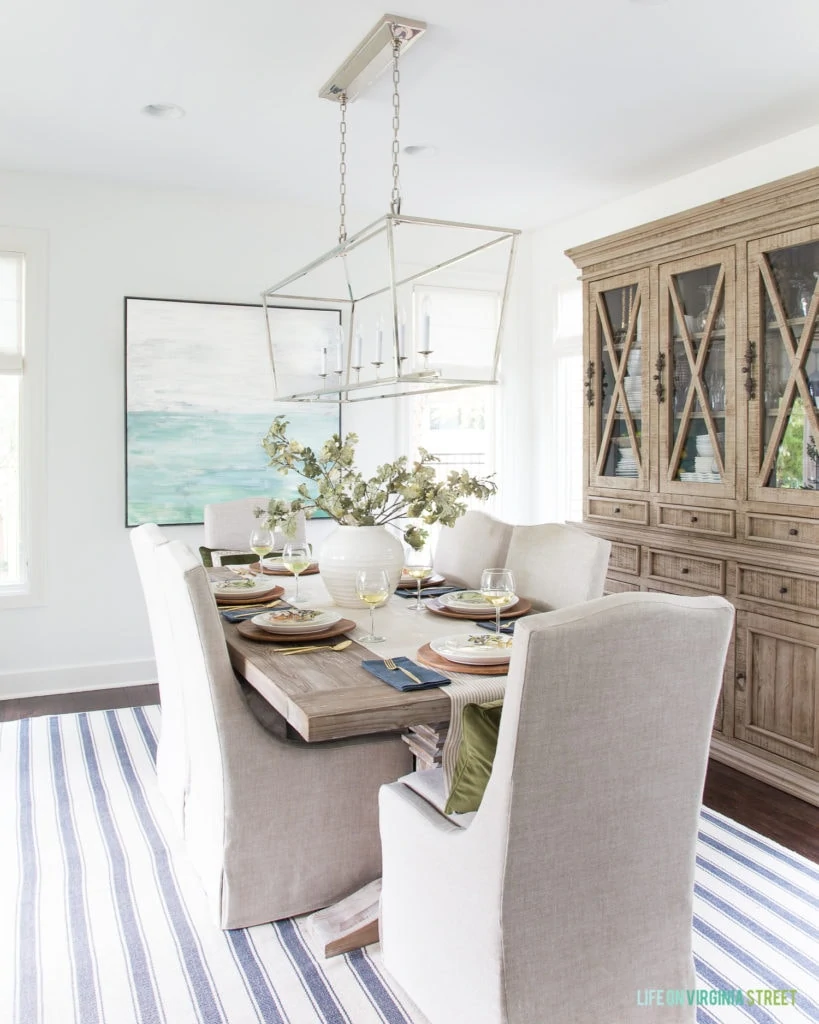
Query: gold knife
(241, 607)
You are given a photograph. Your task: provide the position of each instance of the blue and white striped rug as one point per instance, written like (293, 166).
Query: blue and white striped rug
(102, 922)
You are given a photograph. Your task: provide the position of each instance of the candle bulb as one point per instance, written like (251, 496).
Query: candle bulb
(357, 350)
(323, 363)
(379, 339)
(425, 328)
(402, 350)
(339, 357)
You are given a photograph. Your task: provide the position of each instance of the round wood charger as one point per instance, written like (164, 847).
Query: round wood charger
(257, 597)
(253, 632)
(515, 611)
(428, 657)
(311, 570)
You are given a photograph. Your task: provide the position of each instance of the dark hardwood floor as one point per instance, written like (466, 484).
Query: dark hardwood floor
(783, 818)
(85, 700)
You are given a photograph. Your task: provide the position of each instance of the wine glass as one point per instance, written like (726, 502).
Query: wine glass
(498, 587)
(261, 544)
(297, 557)
(417, 565)
(373, 587)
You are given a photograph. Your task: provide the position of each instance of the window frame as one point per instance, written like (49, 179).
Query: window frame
(30, 367)
(405, 432)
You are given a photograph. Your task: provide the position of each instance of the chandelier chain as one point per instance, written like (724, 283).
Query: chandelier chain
(395, 201)
(342, 169)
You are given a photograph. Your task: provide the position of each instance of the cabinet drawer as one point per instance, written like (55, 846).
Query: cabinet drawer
(620, 586)
(690, 519)
(690, 570)
(781, 530)
(614, 511)
(625, 558)
(787, 589)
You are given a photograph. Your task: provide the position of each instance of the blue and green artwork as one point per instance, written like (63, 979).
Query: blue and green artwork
(199, 389)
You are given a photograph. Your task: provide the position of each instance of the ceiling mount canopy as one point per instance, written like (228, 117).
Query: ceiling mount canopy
(391, 279)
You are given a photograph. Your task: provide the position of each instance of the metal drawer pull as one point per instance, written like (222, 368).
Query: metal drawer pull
(617, 510)
(740, 680)
(693, 519)
(783, 590)
(793, 532)
(685, 570)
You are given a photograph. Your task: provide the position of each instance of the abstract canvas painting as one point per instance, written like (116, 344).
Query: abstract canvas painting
(199, 389)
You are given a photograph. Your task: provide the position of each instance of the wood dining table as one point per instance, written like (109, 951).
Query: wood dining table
(328, 695)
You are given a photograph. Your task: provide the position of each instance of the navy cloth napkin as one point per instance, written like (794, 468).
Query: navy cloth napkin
(401, 682)
(425, 591)
(507, 625)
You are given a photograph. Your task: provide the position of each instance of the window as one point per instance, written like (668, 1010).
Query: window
(22, 459)
(458, 426)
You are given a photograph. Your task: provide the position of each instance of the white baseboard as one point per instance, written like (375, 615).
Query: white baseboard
(72, 678)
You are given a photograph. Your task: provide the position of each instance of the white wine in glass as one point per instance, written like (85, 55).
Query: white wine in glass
(261, 544)
(297, 558)
(498, 588)
(418, 566)
(373, 587)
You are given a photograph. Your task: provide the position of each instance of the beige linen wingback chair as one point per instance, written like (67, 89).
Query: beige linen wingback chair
(228, 525)
(172, 748)
(273, 828)
(557, 565)
(572, 886)
(554, 565)
(476, 542)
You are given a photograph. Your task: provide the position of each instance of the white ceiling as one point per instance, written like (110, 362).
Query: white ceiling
(538, 109)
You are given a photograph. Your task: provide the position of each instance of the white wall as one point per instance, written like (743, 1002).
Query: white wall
(550, 268)
(106, 242)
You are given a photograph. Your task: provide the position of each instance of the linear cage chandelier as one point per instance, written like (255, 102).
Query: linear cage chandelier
(391, 279)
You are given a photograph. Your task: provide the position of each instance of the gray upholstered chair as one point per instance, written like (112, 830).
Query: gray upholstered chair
(172, 747)
(579, 862)
(273, 828)
(228, 525)
(557, 565)
(476, 542)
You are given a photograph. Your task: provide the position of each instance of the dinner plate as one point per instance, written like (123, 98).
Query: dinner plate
(471, 601)
(468, 649)
(242, 587)
(275, 567)
(273, 624)
(433, 580)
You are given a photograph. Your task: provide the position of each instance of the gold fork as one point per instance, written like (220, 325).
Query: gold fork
(390, 664)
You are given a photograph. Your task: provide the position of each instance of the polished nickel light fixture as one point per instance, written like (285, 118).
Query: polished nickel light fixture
(385, 277)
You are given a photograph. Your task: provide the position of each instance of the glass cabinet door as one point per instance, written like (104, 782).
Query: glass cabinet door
(695, 375)
(615, 382)
(782, 367)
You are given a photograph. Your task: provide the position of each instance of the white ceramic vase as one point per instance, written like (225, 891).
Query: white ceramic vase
(352, 548)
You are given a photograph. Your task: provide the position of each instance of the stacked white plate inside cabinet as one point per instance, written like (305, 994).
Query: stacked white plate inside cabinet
(626, 463)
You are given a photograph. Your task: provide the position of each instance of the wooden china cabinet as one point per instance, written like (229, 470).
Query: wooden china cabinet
(701, 385)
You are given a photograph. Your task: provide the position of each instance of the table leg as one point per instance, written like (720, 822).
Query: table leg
(427, 743)
(349, 924)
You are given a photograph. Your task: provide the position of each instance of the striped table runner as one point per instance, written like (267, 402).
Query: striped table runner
(463, 690)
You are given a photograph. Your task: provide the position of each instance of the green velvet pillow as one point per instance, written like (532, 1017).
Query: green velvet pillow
(239, 558)
(480, 724)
